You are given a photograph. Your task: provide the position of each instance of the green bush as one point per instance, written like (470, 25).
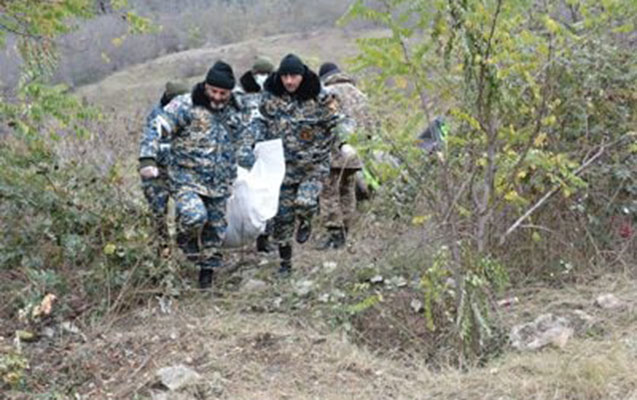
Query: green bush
(67, 230)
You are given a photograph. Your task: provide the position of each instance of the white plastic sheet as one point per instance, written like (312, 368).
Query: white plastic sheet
(255, 196)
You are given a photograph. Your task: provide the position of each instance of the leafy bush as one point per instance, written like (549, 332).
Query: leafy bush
(538, 97)
(69, 230)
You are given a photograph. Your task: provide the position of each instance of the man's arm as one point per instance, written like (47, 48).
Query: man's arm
(160, 123)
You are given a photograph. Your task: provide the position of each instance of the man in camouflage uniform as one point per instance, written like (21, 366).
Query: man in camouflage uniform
(338, 199)
(208, 134)
(252, 83)
(156, 190)
(295, 109)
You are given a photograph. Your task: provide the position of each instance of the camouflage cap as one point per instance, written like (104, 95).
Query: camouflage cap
(174, 88)
(262, 65)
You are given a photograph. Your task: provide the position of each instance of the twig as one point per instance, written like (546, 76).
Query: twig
(553, 191)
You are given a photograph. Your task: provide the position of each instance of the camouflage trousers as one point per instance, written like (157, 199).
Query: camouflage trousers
(296, 201)
(201, 227)
(338, 199)
(157, 194)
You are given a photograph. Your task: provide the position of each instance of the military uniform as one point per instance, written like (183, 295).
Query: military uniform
(251, 91)
(338, 199)
(156, 190)
(206, 146)
(306, 122)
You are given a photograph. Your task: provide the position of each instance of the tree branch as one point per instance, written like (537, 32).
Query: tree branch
(556, 189)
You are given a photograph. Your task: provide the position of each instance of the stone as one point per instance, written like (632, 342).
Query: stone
(156, 395)
(178, 377)
(608, 302)
(329, 266)
(48, 332)
(255, 285)
(303, 288)
(398, 281)
(324, 298)
(416, 305)
(546, 330)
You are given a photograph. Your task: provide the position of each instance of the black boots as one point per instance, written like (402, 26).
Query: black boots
(335, 239)
(263, 244)
(304, 231)
(205, 278)
(285, 252)
(206, 269)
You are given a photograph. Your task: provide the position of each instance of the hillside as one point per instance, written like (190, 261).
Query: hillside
(135, 89)
(347, 324)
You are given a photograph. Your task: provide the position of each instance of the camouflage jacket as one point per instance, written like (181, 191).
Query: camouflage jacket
(206, 144)
(163, 152)
(355, 107)
(250, 92)
(307, 122)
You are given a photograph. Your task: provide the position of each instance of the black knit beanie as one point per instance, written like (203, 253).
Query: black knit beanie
(291, 65)
(327, 69)
(221, 76)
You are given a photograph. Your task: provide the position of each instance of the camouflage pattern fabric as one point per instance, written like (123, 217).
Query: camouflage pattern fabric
(206, 146)
(295, 201)
(307, 129)
(157, 190)
(157, 193)
(338, 199)
(355, 106)
(201, 227)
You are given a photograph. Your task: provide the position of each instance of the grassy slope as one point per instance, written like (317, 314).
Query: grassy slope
(247, 349)
(136, 88)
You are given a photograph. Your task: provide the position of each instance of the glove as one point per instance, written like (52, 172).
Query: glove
(149, 172)
(348, 151)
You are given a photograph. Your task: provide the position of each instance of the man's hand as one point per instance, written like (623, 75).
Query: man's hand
(149, 172)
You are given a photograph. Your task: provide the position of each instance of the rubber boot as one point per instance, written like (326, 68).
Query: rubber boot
(205, 278)
(285, 252)
(304, 231)
(206, 270)
(263, 244)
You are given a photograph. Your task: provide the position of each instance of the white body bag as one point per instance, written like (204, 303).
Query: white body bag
(255, 196)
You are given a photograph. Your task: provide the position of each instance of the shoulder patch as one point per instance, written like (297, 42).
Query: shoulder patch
(177, 103)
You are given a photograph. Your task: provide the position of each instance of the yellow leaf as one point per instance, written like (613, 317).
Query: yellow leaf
(25, 336)
(463, 211)
(118, 41)
(420, 220)
(551, 25)
(540, 140)
(536, 237)
(521, 174)
(567, 192)
(106, 58)
(109, 249)
(513, 197)
(400, 82)
(45, 307)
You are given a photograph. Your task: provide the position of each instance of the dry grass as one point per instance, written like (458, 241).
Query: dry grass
(245, 351)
